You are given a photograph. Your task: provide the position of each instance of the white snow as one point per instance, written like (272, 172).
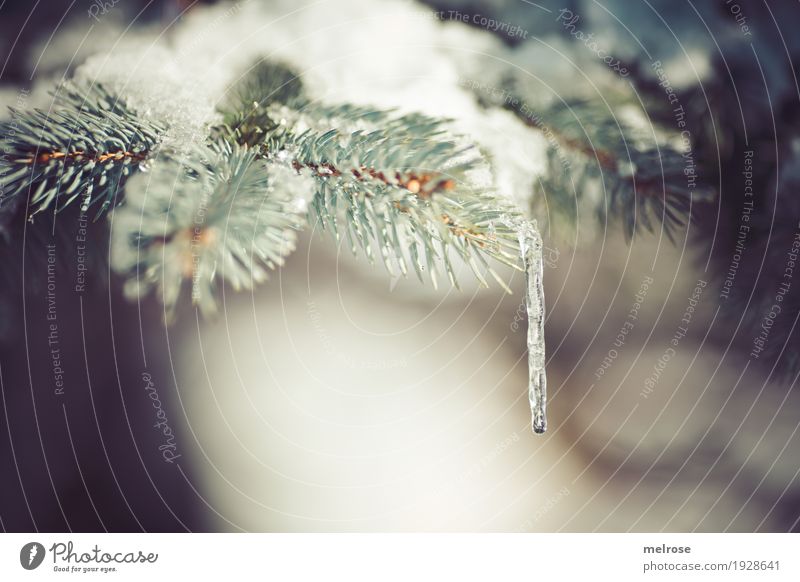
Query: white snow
(389, 53)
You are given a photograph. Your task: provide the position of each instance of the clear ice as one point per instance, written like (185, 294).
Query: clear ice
(530, 248)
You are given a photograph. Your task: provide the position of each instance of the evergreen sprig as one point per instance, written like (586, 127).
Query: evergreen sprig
(647, 179)
(247, 113)
(400, 184)
(211, 213)
(409, 194)
(600, 163)
(84, 148)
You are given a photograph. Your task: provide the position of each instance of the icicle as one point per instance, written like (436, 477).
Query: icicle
(530, 247)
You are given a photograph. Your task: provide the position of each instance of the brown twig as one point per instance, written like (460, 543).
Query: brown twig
(414, 183)
(417, 184)
(100, 157)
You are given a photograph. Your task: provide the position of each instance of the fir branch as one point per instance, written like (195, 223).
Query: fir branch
(408, 194)
(248, 112)
(400, 182)
(646, 177)
(218, 213)
(271, 95)
(86, 148)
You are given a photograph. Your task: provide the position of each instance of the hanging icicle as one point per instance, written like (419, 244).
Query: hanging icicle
(530, 248)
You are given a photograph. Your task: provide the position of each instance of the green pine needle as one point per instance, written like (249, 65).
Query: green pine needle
(84, 149)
